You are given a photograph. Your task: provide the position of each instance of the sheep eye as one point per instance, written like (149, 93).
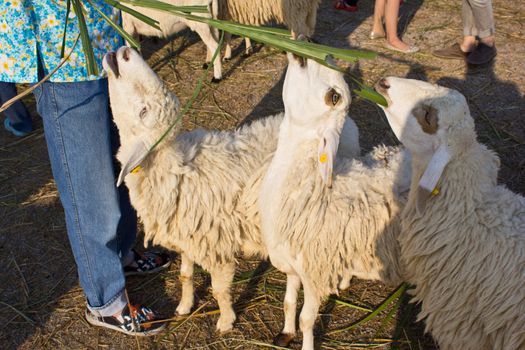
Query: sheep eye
(332, 97)
(143, 113)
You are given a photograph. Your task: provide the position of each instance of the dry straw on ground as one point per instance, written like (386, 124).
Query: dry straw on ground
(41, 304)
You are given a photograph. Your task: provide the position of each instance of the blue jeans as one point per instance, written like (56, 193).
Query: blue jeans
(17, 114)
(101, 223)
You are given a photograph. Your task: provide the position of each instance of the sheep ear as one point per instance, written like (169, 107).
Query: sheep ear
(328, 143)
(136, 157)
(429, 180)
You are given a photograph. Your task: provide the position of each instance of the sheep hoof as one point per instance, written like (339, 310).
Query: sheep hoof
(216, 80)
(181, 311)
(247, 54)
(226, 59)
(283, 339)
(205, 65)
(224, 327)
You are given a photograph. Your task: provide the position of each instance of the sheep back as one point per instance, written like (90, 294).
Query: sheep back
(298, 15)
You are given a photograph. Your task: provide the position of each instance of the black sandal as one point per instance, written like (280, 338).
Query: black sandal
(147, 263)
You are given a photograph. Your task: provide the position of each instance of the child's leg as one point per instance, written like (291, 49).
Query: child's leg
(379, 13)
(391, 15)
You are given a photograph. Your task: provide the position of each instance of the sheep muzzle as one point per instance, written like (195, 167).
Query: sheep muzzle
(112, 63)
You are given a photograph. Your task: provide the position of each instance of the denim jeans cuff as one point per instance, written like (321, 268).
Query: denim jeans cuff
(112, 307)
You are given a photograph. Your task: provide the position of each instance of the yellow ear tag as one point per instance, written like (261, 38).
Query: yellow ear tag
(136, 169)
(323, 157)
(435, 191)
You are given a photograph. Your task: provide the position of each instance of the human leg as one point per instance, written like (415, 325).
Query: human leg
(76, 126)
(77, 130)
(379, 13)
(479, 21)
(127, 227)
(18, 120)
(469, 27)
(394, 42)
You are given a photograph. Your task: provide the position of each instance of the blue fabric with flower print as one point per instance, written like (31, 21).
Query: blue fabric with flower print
(31, 26)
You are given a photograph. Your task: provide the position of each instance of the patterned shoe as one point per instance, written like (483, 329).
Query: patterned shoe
(146, 263)
(134, 320)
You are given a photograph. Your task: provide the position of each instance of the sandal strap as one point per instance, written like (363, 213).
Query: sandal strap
(147, 262)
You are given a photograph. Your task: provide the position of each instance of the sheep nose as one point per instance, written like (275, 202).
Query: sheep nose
(383, 83)
(125, 54)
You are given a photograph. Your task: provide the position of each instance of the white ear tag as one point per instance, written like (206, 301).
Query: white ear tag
(435, 168)
(428, 182)
(328, 143)
(132, 164)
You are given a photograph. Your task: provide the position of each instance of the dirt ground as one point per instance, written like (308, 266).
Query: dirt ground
(41, 303)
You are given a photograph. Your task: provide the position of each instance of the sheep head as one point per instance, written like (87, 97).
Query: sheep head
(316, 100)
(433, 122)
(143, 108)
(140, 102)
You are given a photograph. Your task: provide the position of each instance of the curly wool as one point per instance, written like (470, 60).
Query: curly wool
(188, 191)
(198, 193)
(350, 229)
(298, 15)
(466, 255)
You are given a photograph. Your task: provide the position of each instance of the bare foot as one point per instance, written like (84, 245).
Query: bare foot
(468, 44)
(398, 44)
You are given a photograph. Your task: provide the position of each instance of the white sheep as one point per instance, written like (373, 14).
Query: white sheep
(188, 192)
(322, 225)
(463, 236)
(170, 24)
(299, 15)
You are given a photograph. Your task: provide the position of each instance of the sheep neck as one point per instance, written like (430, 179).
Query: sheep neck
(466, 182)
(295, 143)
(464, 177)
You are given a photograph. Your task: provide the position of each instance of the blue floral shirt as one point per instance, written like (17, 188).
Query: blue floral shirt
(31, 26)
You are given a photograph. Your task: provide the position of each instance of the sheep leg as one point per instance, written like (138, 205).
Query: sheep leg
(310, 23)
(308, 315)
(228, 50)
(293, 283)
(221, 280)
(206, 35)
(186, 279)
(249, 49)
